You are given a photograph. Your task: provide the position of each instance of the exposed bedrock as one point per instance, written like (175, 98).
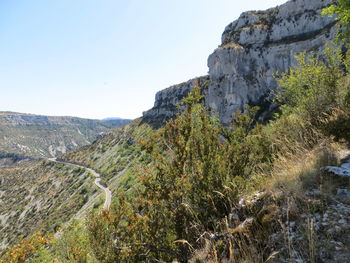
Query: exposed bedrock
(253, 48)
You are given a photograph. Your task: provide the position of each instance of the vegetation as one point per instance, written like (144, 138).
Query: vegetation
(317, 91)
(199, 169)
(43, 136)
(26, 249)
(41, 196)
(341, 8)
(200, 192)
(190, 184)
(190, 175)
(114, 153)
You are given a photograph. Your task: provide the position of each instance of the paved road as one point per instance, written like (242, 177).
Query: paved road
(98, 181)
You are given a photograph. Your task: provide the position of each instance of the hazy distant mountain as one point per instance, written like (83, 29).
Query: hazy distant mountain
(47, 136)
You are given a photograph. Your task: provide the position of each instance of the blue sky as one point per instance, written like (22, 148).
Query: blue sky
(104, 58)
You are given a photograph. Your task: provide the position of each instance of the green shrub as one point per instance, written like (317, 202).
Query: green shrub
(341, 8)
(197, 170)
(316, 92)
(313, 86)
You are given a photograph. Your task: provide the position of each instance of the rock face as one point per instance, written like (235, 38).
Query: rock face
(167, 100)
(259, 44)
(254, 47)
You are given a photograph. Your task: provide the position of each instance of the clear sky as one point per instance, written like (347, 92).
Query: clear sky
(106, 58)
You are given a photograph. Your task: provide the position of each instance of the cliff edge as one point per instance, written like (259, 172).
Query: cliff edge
(253, 48)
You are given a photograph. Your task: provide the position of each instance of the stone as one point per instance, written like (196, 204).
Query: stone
(243, 227)
(258, 45)
(313, 192)
(167, 100)
(340, 175)
(343, 194)
(342, 221)
(339, 171)
(253, 48)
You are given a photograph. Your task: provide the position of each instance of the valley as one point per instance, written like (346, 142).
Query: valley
(39, 136)
(59, 190)
(249, 163)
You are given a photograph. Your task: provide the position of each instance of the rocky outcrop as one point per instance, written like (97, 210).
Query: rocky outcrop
(254, 47)
(259, 44)
(9, 160)
(168, 100)
(338, 174)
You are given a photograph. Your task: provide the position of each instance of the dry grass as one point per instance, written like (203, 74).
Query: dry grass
(295, 172)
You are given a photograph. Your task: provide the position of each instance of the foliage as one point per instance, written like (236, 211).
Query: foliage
(337, 124)
(25, 249)
(108, 232)
(317, 88)
(192, 183)
(72, 246)
(194, 170)
(311, 88)
(341, 9)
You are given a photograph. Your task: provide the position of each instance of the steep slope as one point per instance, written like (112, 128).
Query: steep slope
(240, 71)
(45, 136)
(43, 195)
(114, 155)
(253, 48)
(167, 100)
(40, 196)
(8, 160)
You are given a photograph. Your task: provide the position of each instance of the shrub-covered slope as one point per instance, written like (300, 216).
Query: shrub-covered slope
(247, 192)
(40, 196)
(114, 152)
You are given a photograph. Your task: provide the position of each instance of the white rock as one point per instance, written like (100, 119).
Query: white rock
(254, 47)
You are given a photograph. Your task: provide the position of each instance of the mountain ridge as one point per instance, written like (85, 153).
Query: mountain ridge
(41, 136)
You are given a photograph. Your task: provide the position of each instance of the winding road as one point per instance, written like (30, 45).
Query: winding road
(98, 181)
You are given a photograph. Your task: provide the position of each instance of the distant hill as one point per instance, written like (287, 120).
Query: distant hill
(48, 136)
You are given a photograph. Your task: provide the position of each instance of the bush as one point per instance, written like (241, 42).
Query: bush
(313, 86)
(316, 91)
(341, 8)
(197, 171)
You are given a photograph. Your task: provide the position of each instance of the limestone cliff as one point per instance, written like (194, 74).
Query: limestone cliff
(254, 47)
(167, 100)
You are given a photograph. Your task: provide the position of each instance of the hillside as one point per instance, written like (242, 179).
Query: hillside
(52, 194)
(113, 152)
(40, 196)
(216, 182)
(47, 136)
